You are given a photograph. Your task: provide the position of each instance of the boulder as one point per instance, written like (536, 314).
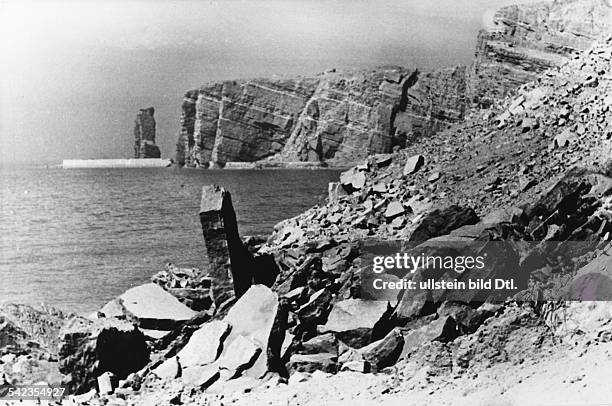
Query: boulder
(465, 318)
(201, 376)
(385, 352)
(564, 139)
(434, 177)
(413, 164)
(239, 355)
(593, 281)
(314, 311)
(169, 369)
(151, 307)
(352, 180)
(90, 348)
(442, 221)
(323, 343)
(144, 135)
(314, 362)
(352, 320)
(394, 209)
(441, 329)
(258, 317)
(190, 286)
(230, 262)
(205, 344)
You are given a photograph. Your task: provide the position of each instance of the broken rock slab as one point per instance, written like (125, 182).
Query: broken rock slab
(385, 352)
(201, 376)
(352, 180)
(413, 164)
(438, 330)
(169, 369)
(257, 317)
(352, 320)
(325, 362)
(230, 262)
(240, 355)
(442, 221)
(323, 343)
(205, 344)
(151, 307)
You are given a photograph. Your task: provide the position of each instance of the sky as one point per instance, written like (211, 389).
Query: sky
(73, 74)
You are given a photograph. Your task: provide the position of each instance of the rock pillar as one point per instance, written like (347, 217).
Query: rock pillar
(228, 259)
(144, 135)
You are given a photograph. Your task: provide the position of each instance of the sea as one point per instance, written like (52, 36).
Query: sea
(76, 238)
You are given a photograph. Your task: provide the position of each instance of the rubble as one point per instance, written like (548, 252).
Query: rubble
(532, 167)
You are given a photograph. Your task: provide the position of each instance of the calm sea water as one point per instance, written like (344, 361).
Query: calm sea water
(77, 238)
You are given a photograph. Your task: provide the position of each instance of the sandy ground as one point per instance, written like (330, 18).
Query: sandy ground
(581, 376)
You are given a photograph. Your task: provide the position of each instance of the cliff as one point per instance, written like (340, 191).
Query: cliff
(521, 41)
(339, 118)
(144, 135)
(334, 117)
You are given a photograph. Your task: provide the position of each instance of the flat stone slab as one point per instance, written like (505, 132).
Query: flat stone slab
(169, 369)
(205, 344)
(353, 314)
(352, 320)
(240, 355)
(201, 376)
(154, 308)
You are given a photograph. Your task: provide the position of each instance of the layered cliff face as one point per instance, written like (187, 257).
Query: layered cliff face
(336, 118)
(144, 135)
(340, 118)
(521, 41)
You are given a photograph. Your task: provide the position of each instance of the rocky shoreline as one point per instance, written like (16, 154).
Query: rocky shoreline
(285, 319)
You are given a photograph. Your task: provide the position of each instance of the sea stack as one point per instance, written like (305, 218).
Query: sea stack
(144, 135)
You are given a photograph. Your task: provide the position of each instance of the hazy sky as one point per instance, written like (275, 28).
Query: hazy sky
(73, 74)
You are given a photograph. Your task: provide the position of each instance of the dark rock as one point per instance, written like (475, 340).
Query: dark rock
(316, 309)
(442, 221)
(228, 259)
(324, 343)
(442, 329)
(144, 135)
(233, 268)
(313, 362)
(385, 352)
(88, 349)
